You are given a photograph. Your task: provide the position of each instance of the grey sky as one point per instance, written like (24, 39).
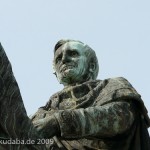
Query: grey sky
(118, 30)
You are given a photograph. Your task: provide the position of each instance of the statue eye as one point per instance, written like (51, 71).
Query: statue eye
(58, 59)
(74, 53)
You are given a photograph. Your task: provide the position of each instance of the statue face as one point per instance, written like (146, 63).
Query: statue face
(70, 63)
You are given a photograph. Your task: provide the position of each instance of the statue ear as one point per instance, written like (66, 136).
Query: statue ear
(55, 74)
(54, 70)
(92, 67)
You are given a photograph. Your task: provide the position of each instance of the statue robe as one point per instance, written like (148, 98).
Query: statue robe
(79, 107)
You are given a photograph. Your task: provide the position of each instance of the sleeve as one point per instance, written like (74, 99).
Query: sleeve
(100, 121)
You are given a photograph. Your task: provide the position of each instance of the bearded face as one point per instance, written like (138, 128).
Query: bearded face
(71, 63)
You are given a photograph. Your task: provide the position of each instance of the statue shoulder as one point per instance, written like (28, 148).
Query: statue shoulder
(119, 80)
(117, 89)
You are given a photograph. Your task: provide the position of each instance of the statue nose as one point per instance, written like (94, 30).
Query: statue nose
(65, 59)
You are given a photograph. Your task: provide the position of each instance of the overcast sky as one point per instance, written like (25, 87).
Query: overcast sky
(118, 30)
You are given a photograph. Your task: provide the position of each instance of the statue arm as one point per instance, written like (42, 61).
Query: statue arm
(100, 121)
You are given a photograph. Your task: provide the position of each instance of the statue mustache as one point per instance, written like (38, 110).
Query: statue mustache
(67, 66)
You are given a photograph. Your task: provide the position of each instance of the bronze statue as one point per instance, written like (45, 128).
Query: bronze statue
(87, 114)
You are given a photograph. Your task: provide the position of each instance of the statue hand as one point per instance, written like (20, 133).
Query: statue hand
(47, 127)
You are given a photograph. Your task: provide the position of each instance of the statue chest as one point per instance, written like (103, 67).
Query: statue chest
(72, 98)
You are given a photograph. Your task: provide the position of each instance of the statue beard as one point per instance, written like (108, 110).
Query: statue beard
(73, 76)
(67, 76)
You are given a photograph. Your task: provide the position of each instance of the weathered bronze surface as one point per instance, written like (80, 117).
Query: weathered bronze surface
(87, 114)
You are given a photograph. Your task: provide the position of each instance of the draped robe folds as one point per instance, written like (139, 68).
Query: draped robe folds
(73, 105)
(97, 94)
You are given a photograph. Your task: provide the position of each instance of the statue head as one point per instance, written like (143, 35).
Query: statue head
(74, 62)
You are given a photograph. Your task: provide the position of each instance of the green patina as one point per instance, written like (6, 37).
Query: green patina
(75, 63)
